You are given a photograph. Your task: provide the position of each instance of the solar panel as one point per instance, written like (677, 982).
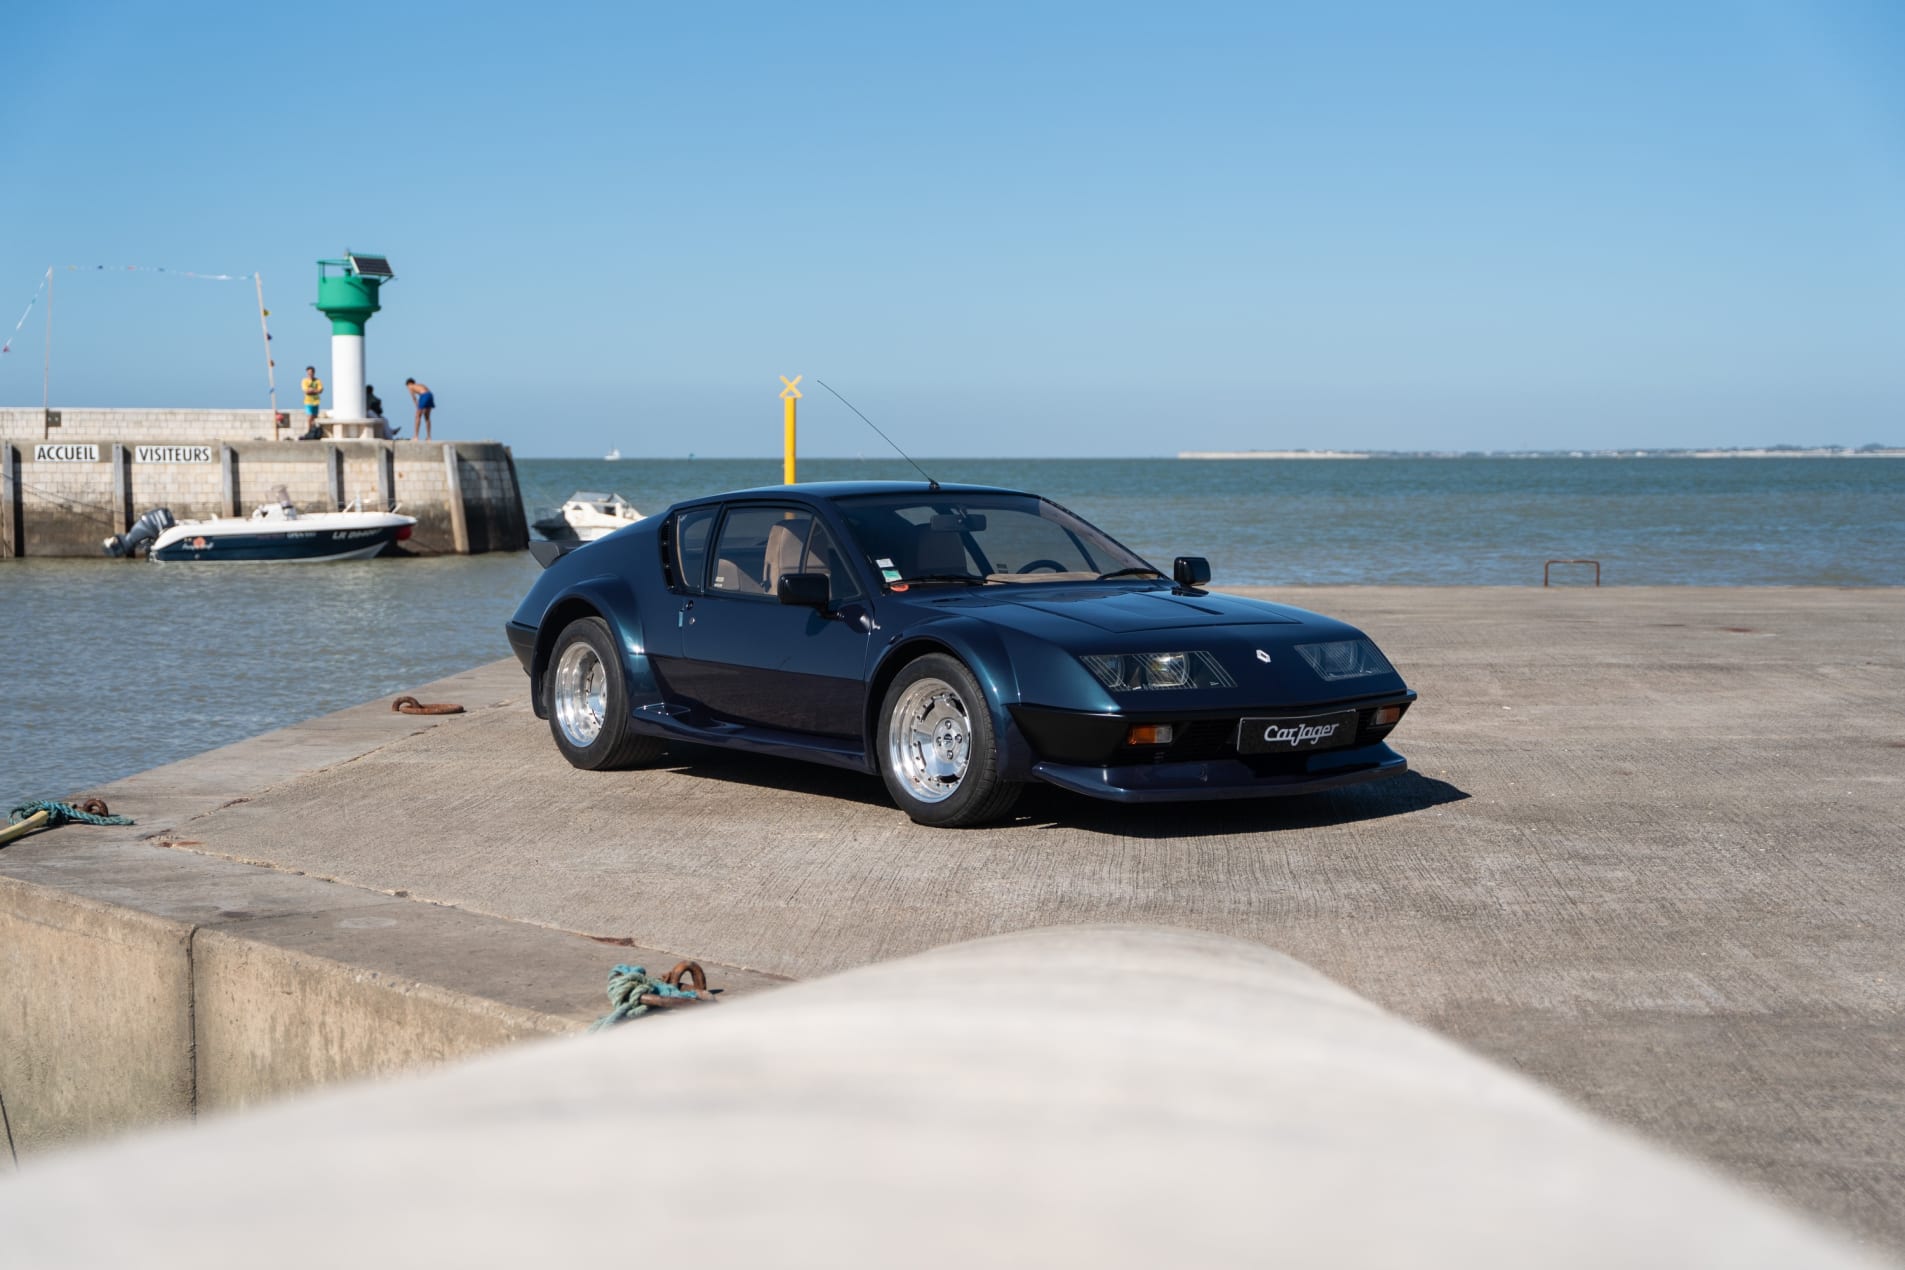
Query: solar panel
(371, 266)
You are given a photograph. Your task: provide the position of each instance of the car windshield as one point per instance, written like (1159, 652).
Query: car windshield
(982, 538)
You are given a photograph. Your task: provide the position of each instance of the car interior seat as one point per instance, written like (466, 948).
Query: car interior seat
(784, 543)
(731, 578)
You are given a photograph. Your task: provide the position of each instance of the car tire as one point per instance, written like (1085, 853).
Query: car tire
(938, 751)
(586, 698)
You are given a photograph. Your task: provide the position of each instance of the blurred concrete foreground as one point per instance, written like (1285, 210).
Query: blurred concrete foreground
(1093, 1096)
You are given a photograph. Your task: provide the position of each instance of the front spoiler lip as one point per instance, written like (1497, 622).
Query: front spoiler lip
(1204, 780)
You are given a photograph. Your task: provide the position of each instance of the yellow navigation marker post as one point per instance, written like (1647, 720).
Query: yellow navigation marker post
(790, 395)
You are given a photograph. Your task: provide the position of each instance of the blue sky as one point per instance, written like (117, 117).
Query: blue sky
(1014, 229)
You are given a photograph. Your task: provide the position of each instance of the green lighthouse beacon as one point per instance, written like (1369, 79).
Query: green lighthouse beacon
(348, 297)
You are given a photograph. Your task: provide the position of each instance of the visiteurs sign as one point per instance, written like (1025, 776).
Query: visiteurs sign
(173, 454)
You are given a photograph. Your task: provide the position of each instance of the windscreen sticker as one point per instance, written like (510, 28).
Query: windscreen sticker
(884, 563)
(890, 573)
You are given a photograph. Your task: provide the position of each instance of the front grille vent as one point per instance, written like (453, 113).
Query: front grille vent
(1201, 740)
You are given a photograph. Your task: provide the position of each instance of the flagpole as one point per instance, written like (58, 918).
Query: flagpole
(46, 368)
(271, 374)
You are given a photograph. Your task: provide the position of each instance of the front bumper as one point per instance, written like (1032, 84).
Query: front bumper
(1084, 752)
(1225, 777)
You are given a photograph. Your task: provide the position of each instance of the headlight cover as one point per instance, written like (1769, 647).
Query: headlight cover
(1143, 672)
(1345, 659)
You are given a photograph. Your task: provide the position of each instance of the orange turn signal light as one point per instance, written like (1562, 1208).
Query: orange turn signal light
(1148, 734)
(1387, 716)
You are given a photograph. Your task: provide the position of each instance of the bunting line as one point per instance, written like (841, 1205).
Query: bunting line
(40, 290)
(37, 292)
(182, 273)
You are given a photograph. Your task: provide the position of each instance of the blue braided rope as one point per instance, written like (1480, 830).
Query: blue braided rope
(627, 986)
(62, 813)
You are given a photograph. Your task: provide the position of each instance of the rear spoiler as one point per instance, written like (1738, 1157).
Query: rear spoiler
(547, 553)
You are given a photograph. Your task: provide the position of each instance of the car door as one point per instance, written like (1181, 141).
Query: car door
(746, 657)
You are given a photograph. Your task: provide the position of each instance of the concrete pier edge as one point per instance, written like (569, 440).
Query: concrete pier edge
(1616, 868)
(141, 982)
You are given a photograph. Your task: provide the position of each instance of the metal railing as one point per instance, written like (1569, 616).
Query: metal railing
(1552, 563)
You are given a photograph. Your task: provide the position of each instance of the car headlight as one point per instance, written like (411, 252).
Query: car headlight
(1345, 659)
(1133, 672)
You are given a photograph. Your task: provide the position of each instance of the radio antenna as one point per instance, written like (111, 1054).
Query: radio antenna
(930, 482)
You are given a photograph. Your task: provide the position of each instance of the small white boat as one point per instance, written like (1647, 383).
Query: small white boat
(587, 516)
(612, 456)
(275, 531)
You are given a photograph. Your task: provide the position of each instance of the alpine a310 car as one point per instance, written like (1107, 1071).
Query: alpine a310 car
(960, 641)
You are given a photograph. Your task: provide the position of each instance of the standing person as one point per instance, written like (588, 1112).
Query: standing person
(426, 402)
(313, 395)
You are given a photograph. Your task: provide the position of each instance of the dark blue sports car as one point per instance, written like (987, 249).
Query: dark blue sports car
(958, 640)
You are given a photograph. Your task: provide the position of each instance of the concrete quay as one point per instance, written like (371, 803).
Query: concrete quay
(142, 981)
(1648, 855)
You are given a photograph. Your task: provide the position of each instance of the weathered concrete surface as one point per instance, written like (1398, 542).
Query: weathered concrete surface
(289, 1002)
(140, 983)
(1007, 1103)
(106, 1042)
(1649, 854)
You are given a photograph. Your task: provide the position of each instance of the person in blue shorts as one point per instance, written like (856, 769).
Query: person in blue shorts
(426, 402)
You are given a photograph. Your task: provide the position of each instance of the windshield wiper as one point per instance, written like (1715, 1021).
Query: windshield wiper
(1131, 572)
(946, 577)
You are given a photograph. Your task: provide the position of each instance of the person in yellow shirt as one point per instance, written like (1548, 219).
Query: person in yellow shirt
(313, 394)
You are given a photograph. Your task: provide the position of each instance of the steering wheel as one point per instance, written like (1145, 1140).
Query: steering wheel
(1053, 565)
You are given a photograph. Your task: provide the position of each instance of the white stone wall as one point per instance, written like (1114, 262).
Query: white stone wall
(89, 423)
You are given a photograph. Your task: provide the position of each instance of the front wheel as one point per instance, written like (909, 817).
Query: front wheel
(938, 752)
(587, 700)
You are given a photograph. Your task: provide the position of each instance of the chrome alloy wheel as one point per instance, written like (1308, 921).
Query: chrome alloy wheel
(929, 740)
(581, 692)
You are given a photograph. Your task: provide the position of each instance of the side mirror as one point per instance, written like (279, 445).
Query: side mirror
(1190, 571)
(809, 590)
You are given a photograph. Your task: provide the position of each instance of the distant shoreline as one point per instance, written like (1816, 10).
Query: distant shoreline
(1818, 452)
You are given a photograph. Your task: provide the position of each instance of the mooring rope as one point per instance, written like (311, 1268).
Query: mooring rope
(633, 991)
(8, 1126)
(88, 811)
(84, 511)
(410, 705)
(47, 814)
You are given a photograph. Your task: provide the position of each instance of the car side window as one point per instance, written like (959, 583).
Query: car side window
(690, 534)
(822, 556)
(756, 546)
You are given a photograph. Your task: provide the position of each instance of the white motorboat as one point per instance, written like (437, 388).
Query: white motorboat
(275, 531)
(587, 516)
(613, 456)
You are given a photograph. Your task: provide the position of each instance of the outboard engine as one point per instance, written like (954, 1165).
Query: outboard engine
(144, 531)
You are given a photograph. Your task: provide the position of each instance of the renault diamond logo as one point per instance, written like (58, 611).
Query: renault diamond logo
(1263, 657)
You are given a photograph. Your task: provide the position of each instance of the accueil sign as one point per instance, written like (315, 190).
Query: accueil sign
(54, 453)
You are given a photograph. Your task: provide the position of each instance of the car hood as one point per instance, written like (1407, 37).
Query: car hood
(1088, 611)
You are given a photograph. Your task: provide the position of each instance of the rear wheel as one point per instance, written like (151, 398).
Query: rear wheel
(939, 754)
(587, 700)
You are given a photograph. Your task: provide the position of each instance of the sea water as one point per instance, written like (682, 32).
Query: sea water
(116, 666)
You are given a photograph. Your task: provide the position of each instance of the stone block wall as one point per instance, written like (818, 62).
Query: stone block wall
(162, 427)
(68, 508)
(487, 474)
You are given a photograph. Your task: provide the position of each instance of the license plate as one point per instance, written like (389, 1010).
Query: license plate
(1284, 736)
